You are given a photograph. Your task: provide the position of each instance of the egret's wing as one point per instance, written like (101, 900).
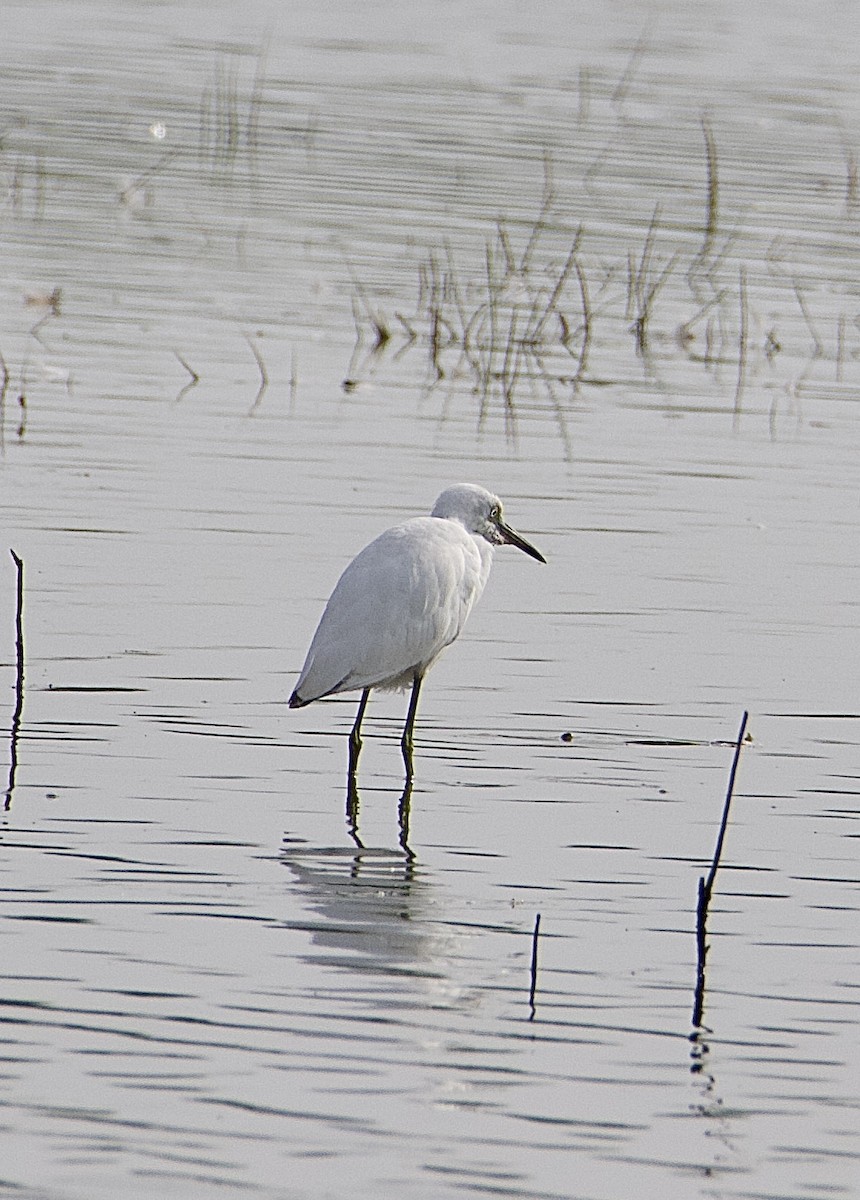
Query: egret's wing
(395, 608)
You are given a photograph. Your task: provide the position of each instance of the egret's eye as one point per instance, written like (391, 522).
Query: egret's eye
(495, 512)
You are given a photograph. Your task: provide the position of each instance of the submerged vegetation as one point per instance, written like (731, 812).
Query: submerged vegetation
(247, 190)
(521, 330)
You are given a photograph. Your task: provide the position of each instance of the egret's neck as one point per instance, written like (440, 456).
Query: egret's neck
(485, 549)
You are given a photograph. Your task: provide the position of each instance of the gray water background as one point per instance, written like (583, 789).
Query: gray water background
(207, 987)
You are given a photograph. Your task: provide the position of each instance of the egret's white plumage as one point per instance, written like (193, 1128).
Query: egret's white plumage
(403, 599)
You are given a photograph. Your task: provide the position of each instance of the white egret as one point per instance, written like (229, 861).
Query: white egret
(401, 601)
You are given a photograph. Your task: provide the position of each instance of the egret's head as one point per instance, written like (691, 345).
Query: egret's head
(481, 513)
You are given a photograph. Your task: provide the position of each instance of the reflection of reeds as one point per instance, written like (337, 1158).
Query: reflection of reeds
(643, 286)
(536, 332)
(525, 316)
(255, 103)
(229, 115)
(28, 186)
(586, 323)
(743, 340)
(712, 190)
(840, 346)
(514, 326)
(850, 180)
(5, 379)
(817, 344)
(261, 367)
(294, 380)
(619, 94)
(219, 117)
(514, 323)
(193, 381)
(4, 388)
(374, 316)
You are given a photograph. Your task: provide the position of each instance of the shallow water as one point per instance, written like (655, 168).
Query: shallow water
(208, 985)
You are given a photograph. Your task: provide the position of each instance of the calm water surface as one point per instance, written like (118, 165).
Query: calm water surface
(605, 265)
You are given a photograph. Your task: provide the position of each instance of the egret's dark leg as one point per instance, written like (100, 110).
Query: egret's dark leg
(406, 740)
(355, 735)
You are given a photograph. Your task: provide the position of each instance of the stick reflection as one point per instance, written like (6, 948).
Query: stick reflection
(19, 682)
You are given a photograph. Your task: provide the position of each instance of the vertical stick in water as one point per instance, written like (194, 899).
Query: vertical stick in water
(706, 886)
(533, 987)
(19, 680)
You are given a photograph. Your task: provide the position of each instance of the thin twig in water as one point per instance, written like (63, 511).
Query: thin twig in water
(818, 345)
(630, 307)
(706, 885)
(638, 296)
(545, 209)
(294, 380)
(195, 378)
(421, 300)
(686, 337)
(507, 249)
(40, 187)
(19, 680)
(351, 380)
(511, 371)
(708, 357)
(713, 190)
(264, 378)
(473, 349)
(381, 332)
(381, 329)
(558, 408)
(850, 180)
(840, 348)
(536, 332)
(411, 332)
(623, 85)
(645, 261)
(127, 194)
(584, 94)
(534, 968)
(435, 342)
(4, 387)
(456, 292)
(743, 333)
(252, 124)
(586, 321)
(647, 302)
(490, 358)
